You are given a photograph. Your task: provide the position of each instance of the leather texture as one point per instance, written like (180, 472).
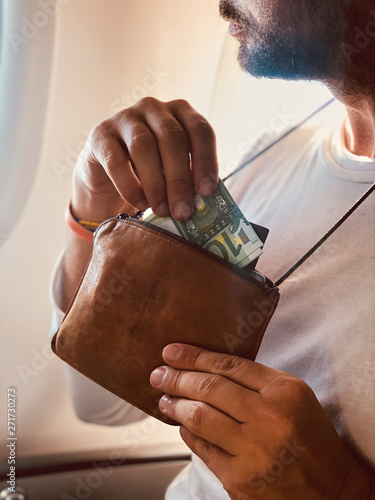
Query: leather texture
(144, 289)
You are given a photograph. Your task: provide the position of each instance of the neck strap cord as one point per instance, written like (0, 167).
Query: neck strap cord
(351, 210)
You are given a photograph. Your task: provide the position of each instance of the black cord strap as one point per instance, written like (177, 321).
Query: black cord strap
(337, 225)
(327, 235)
(279, 139)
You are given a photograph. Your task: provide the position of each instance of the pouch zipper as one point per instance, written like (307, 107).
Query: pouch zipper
(253, 275)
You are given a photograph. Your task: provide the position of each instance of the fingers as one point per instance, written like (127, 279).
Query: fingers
(215, 390)
(155, 154)
(204, 421)
(144, 152)
(173, 145)
(249, 374)
(202, 142)
(216, 459)
(107, 152)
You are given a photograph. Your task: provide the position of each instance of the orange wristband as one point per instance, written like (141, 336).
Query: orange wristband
(78, 227)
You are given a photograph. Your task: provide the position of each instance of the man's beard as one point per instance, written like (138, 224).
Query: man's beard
(289, 52)
(271, 58)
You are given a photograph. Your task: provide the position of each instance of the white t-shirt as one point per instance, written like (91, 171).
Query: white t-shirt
(323, 330)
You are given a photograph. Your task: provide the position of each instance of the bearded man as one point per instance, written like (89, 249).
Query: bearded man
(298, 424)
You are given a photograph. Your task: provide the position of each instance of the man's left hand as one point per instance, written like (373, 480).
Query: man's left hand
(261, 431)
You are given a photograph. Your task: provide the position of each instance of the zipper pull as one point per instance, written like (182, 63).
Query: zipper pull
(138, 215)
(259, 274)
(123, 216)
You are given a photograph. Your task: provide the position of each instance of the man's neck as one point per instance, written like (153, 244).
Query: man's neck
(360, 132)
(360, 126)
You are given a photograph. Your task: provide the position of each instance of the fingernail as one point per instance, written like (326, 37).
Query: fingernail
(162, 210)
(172, 352)
(182, 210)
(164, 402)
(206, 187)
(158, 375)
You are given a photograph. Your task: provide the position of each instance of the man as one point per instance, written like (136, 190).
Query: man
(298, 423)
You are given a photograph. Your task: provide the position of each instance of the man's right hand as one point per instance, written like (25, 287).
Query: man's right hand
(151, 154)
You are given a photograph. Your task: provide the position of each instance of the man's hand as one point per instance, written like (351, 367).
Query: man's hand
(262, 432)
(151, 154)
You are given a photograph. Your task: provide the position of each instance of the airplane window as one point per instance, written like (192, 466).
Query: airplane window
(26, 62)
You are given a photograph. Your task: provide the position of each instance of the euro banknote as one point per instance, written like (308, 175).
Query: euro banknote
(218, 225)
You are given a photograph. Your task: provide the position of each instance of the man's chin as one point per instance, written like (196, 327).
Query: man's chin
(252, 62)
(263, 64)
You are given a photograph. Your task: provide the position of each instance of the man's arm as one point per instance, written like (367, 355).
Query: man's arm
(78, 251)
(152, 154)
(72, 265)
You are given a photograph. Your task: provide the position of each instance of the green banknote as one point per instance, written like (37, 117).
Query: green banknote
(217, 225)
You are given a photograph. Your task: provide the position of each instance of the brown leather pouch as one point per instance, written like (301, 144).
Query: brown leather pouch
(145, 288)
